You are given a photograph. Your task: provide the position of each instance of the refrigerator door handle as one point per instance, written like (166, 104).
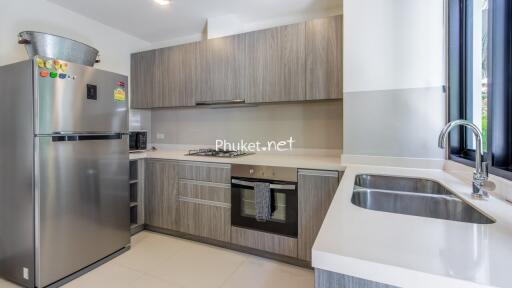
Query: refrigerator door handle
(86, 137)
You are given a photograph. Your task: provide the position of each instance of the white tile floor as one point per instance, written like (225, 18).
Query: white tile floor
(157, 260)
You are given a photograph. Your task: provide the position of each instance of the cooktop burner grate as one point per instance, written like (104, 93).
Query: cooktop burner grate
(217, 153)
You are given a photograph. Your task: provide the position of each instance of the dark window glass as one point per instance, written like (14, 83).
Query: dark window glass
(480, 87)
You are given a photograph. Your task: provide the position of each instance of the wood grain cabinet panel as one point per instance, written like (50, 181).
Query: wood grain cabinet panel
(328, 279)
(276, 64)
(176, 75)
(289, 63)
(203, 171)
(205, 209)
(316, 190)
(264, 241)
(205, 220)
(324, 58)
(142, 79)
(221, 70)
(161, 194)
(215, 192)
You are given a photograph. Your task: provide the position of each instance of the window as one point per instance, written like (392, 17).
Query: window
(480, 87)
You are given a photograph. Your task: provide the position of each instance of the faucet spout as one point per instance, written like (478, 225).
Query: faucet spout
(478, 139)
(480, 175)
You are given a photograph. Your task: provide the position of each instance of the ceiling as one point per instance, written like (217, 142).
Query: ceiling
(153, 23)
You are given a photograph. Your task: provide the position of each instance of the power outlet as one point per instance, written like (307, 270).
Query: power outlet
(160, 136)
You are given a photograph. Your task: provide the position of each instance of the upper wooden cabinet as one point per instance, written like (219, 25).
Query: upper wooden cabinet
(324, 65)
(276, 64)
(143, 84)
(222, 69)
(290, 63)
(176, 76)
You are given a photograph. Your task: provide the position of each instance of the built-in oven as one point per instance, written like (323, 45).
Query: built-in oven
(283, 198)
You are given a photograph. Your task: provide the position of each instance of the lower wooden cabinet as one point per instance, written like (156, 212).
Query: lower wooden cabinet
(205, 209)
(161, 194)
(175, 199)
(269, 242)
(316, 190)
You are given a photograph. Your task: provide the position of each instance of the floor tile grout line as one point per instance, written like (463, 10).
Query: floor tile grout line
(161, 278)
(237, 266)
(234, 271)
(150, 275)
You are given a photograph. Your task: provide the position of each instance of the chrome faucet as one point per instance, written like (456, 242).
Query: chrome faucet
(480, 176)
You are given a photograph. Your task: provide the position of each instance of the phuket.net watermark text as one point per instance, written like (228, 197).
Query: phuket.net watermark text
(244, 146)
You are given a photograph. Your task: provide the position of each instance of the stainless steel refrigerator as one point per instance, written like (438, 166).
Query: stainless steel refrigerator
(64, 169)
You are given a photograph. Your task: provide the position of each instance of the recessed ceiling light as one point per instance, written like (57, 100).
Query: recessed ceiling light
(163, 2)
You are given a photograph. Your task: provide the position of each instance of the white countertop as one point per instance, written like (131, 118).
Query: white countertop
(411, 251)
(319, 162)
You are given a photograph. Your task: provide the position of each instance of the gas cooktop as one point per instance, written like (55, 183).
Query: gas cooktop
(218, 153)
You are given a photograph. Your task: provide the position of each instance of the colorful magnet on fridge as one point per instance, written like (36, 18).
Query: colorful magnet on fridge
(119, 94)
(40, 62)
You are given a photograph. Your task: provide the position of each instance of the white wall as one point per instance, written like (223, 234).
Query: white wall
(228, 25)
(393, 76)
(39, 15)
(232, 24)
(392, 44)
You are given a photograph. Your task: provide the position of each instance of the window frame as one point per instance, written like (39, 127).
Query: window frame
(458, 82)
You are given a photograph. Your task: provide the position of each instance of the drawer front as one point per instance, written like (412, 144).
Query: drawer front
(215, 192)
(205, 220)
(264, 241)
(208, 172)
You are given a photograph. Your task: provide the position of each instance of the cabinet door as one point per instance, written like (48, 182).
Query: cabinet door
(205, 209)
(324, 58)
(276, 64)
(161, 194)
(222, 69)
(142, 79)
(175, 75)
(316, 190)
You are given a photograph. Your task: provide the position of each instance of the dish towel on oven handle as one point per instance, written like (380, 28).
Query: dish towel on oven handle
(262, 201)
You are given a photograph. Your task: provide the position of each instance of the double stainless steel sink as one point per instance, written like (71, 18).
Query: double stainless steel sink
(413, 196)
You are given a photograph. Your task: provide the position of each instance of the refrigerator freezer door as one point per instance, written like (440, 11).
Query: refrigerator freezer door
(82, 212)
(80, 100)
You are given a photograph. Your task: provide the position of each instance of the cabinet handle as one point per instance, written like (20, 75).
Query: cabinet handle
(204, 202)
(325, 173)
(272, 186)
(220, 102)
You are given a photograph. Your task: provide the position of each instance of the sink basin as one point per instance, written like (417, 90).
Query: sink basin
(412, 196)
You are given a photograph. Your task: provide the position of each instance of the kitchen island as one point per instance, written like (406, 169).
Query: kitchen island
(411, 251)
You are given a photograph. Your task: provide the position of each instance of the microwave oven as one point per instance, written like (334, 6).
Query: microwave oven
(138, 140)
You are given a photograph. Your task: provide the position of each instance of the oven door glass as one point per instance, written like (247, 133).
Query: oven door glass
(278, 202)
(283, 202)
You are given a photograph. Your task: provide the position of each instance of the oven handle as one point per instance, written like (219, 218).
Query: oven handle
(272, 186)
